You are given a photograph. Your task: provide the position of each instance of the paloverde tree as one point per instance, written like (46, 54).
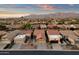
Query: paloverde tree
(27, 26)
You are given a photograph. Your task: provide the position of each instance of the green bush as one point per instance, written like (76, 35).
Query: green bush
(2, 27)
(27, 26)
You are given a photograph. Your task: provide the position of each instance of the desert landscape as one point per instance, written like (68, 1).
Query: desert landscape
(39, 27)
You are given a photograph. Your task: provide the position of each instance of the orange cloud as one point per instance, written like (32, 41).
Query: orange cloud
(47, 7)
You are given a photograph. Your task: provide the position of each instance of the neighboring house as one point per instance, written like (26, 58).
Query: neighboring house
(61, 26)
(40, 34)
(71, 35)
(35, 26)
(52, 26)
(29, 34)
(40, 39)
(2, 33)
(71, 27)
(43, 26)
(76, 26)
(11, 27)
(67, 26)
(19, 39)
(9, 37)
(53, 36)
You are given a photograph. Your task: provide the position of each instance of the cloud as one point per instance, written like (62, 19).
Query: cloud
(71, 5)
(22, 7)
(47, 7)
(14, 6)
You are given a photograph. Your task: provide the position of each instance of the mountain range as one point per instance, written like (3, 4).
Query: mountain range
(54, 15)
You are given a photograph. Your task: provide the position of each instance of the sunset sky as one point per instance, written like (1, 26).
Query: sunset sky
(14, 10)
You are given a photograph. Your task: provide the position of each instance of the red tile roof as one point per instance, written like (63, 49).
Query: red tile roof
(53, 32)
(27, 32)
(39, 34)
(60, 26)
(51, 26)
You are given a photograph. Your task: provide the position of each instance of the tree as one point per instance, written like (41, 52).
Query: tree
(61, 22)
(27, 26)
(2, 27)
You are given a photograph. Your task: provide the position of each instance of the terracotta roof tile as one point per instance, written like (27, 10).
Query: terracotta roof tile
(39, 33)
(27, 31)
(52, 32)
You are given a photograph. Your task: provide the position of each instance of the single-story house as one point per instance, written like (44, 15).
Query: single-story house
(9, 37)
(53, 35)
(43, 26)
(20, 38)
